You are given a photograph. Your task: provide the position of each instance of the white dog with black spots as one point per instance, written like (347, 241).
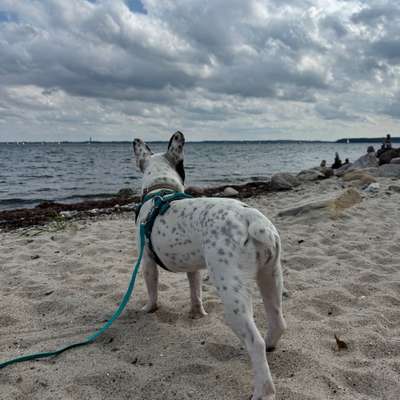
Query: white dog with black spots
(235, 243)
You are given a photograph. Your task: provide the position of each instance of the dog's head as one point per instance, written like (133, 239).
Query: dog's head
(163, 170)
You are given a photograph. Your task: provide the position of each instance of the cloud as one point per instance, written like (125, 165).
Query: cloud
(267, 68)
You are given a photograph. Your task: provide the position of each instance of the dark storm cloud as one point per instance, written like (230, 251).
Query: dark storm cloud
(158, 63)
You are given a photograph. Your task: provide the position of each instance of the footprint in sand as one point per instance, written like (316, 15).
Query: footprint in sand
(167, 317)
(194, 369)
(287, 363)
(6, 321)
(224, 352)
(325, 308)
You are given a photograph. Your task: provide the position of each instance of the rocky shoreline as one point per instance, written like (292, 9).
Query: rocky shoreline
(126, 200)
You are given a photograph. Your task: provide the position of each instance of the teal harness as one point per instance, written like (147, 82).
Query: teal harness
(161, 202)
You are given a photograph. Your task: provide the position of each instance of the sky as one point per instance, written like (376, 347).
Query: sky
(214, 69)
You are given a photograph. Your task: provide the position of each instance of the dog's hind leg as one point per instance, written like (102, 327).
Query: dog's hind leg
(150, 272)
(236, 298)
(196, 309)
(270, 283)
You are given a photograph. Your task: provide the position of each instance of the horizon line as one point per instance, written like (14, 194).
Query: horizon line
(364, 139)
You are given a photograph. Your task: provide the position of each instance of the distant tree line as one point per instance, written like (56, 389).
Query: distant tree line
(367, 140)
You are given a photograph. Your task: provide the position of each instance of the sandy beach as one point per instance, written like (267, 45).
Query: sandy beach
(342, 271)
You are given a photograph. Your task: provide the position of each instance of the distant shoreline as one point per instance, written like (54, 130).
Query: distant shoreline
(343, 140)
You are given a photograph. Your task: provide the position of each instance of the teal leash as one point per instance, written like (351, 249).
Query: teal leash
(162, 201)
(93, 337)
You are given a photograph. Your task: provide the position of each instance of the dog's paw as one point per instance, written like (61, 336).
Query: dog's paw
(262, 397)
(150, 308)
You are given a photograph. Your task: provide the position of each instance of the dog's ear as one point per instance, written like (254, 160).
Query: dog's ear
(174, 153)
(142, 152)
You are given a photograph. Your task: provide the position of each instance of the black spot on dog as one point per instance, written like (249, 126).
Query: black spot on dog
(180, 169)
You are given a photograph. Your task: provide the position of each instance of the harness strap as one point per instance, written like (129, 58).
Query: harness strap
(161, 203)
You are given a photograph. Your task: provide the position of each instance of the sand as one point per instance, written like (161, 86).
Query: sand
(343, 276)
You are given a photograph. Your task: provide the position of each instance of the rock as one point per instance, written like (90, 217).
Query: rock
(327, 172)
(342, 170)
(310, 175)
(125, 192)
(365, 161)
(395, 160)
(195, 191)
(68, 214)
(394, 188)
(373, 188)
(387, 156)
(329, 206)
(284, 181)
(359, 175)
(389, 170)
(230, 192)
(128, 207)
(347, 199)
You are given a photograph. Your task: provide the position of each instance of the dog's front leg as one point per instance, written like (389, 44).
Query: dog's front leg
(150, 271)
(196, 309)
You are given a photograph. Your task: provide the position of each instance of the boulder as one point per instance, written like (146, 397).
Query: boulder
(310, 175)
(395, 160)
(359, 175)
(284, 181)
(331, 207)
(387, 156)
(327, 172)
(389, 170)
(342, 170)
(366, 161)
(230, 192)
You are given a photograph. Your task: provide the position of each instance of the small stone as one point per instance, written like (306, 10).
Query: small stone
(125, 192)
(373, 188)
(230, 192)
(394, 188)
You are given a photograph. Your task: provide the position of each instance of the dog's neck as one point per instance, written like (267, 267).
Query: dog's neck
(160, 186)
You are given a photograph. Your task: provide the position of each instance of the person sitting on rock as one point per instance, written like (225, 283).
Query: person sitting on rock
(387, 142)
(338, 162)
(346, 161)
(323, 164)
